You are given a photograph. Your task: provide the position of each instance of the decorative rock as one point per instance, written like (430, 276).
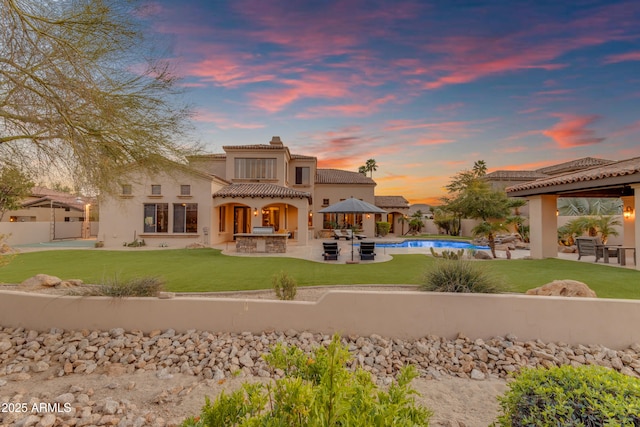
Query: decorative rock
(41, 280)
(482, 255)
(477, 375)
(565, 288)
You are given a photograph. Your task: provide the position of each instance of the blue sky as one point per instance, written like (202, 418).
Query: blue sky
(424, 87)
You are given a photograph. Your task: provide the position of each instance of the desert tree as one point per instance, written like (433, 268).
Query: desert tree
(14, 187)
(83, 89)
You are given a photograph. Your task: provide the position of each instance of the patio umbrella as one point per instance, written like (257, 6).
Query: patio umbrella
(353, 206)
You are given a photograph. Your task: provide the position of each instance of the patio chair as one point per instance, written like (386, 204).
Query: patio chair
(337, 234)
(331, 251)
(593, 246)
(367, 251)
(351, 235)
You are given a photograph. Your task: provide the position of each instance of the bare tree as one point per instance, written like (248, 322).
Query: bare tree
(14, 187)
(79, 90)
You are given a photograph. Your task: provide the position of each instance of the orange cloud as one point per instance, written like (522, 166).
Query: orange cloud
(222, 121)
(572, 131)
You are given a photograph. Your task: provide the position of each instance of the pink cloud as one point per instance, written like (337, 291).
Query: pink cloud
(621, 57)
(433, 141)
(362, 109)
(223, 122)
(572, 131)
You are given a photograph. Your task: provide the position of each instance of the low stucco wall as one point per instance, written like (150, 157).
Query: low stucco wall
(406, 315)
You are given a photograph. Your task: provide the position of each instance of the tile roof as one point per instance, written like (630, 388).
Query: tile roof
(616, 169)
(301, 156)
(584, 163)
(60, 198)
(338, 176)
(253, 147)
(260, 190)
(518, 175)
(391, 202)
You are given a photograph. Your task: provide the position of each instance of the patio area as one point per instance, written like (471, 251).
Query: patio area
(313, 252)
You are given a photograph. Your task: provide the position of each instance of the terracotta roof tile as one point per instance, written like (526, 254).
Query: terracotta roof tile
(507, 175)
(260, 190)
(621, 168)
(584, 163)
(254, 147)
(337, 176)
(391, 202)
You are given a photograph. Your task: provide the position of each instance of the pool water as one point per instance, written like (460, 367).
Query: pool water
(454, 244)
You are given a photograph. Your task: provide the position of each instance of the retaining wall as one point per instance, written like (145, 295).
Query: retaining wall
(406, 315)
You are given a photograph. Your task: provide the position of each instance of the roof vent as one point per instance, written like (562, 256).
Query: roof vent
(275, 141)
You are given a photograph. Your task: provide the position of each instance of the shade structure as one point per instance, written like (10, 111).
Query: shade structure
(352, 205)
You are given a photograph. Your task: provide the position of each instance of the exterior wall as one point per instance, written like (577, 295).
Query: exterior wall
(26, 233)
(543, 226)
(407, 315)
(210, 165)
(122, 217)
(282, 164)
(35, 214)
(338, 192)
(293, 216)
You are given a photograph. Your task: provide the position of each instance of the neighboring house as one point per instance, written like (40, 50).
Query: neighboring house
(501, 179)
(223, 194)
(397, 207)
(44, 204)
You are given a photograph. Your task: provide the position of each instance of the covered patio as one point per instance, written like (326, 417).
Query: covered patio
(619, 179)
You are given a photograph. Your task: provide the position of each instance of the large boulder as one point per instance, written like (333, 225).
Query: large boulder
(41, 281)
(564, 288)
(482, 255)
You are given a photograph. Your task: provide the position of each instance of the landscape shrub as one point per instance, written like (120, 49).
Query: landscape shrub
(383, 228)
(285, 286)
(457, 275)
(317, 390)
(136, 287)
(6, 252)
(568, 396)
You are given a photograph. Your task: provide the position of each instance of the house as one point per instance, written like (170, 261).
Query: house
(219, 196)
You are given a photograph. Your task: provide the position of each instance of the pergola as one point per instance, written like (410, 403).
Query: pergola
(618, 179)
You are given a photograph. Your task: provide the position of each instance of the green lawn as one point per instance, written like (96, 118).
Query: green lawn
(209, 270)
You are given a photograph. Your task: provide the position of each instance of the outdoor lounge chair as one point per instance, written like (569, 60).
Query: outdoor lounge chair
(592, 246)
(357, 235)
(337, 234)
(331, 251)
(367, 251)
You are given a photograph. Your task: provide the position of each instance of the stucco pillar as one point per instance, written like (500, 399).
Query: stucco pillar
(629, 224)
(634, 224)
(303, 223)
(543, 223)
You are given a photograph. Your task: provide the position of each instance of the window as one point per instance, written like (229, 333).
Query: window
(246, 168)
(156, 189)
(302, 175)
(185, 190)
(185, 218)
(325, 202)
(223, 219)
(156, 217)
(127, 189)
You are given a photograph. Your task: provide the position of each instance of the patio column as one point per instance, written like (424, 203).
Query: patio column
(634, 224)
(543, 223)
(628, 223)
(303, 224)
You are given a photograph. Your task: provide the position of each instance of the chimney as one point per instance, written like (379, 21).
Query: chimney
(275, 141)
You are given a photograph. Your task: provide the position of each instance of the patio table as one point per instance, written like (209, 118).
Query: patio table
(622, 254)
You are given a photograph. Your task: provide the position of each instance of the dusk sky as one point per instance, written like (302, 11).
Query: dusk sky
(424, 87)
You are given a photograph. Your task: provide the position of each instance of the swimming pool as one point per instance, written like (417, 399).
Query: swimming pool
(454, 244)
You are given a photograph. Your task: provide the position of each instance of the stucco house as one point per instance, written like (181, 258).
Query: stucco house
(223, 194)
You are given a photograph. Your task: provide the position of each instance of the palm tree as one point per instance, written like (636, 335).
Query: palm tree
(371, 166)
(576, 206)
(489, 230)
(362, 170)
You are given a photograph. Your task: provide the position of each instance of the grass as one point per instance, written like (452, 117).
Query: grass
(207, 270)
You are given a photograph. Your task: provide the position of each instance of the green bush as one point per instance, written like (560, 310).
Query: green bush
(568, 396)
(460, 276)
(118, 288)
(285, 286)
(383, 228)
(317, 390)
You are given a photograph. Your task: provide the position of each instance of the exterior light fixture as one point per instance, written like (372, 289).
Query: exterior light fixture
(628, 212)
(255, 211)
(557, 212)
